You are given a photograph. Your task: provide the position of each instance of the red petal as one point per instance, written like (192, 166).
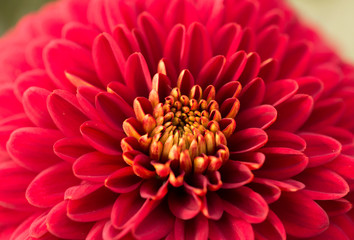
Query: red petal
(196, 228)
(101, 138)
(174, 45)
(108, 105)
(13, 217)
(310, 86)
(269, 191)
(34, 78)
(234, 174)
(320, 148)
(92, 207)
(197, 49)
(65, 112)
(245, 14)
(323, 184)
(271, 228)
(123, 180)
(280, 91)
(301, 216)
(336, 207)
(211, 71)
(62, 56)
(247, 140)
(212, 207)
(154, 35)
(183, 205)
(343, 165)
(185, 82)
(22, 231)
(125, 40)
(257, 117)
(13, 192)
(35, 106)
(229, 227)
(229, 90)
(96, 166)
(108, 59)
(251, 69)
(293, 113)
(7, 96)
(154, 189)
(296, 60)
(275, 41)
(333, 232)
(284, 139)
(227, 39)
(127, 209)
(253, 160)
(269, 70)
(69, 149)
(80, 33)
(329, 74)
(282, 163)
(10, 124)
(252, 93)
(244, 203)
(183, 12)
(332, 108)
(137, 75)
(96, 232)
(45, 190)
(61, 226)
(156, 225)
(233, 69)
(33, 147)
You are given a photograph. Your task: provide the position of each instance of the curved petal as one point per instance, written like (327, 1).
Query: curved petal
(244, 203)
(69, 149)
(196, 228)
(123, 180)
(293, 113)
(183, 205)
(156, 224)
(229, 227)
(271, 228)
(235, 174)
(127, 208)
(65, 112)
(257, 117)
(33, 147)
(323, 184)
(17, 179)
(94, 206)
(35, 106)
(101, 138)
(282, 163)
(61, 226)
(301, 216)
(285, 139)
(247, 140)
(96, 166)
(45, 190)
(320, 148)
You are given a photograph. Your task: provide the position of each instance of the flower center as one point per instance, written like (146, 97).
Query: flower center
(177, 134)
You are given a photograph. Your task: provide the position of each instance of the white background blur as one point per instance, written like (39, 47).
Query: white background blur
(334, 18)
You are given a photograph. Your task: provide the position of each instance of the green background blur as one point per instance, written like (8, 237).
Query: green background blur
(334, 18)
(12, 10)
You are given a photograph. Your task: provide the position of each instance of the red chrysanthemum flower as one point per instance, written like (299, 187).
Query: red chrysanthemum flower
(173, 119)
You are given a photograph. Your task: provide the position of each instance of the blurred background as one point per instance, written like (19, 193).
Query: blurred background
(334, 18)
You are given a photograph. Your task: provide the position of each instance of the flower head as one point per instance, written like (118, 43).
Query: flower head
(173, 120)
